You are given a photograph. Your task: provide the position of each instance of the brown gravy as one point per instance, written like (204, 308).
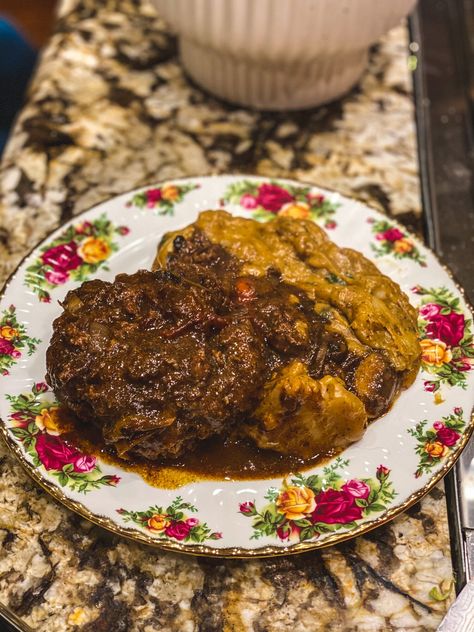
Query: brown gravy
(214, 459)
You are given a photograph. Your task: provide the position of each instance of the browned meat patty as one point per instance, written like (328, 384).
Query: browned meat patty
(160, 360)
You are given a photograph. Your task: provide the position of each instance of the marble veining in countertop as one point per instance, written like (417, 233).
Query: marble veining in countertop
(110, 109)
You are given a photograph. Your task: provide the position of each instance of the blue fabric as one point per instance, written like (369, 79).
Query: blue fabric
(17, 59)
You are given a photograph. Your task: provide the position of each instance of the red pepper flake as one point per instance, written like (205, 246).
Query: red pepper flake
(245, 290)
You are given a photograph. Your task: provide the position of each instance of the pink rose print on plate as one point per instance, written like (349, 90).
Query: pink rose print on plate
(318, 198)
(446, 338)
(37, 423)
(247, 508)
(308, 507)
(20, 420)
(78, 252)
(435, 444)
(429, 310)
(14, 340)
(266, 200)
(394, 241)
(447, 327)
(163, 198)
(248, 201)
(288, 532)
(356, 488)
(56, 277)
(85, 228)
(171, 523)
(84, 463)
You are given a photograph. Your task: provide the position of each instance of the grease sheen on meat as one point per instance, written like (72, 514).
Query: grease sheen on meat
(270, 331)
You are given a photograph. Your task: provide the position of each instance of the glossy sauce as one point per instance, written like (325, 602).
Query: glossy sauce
(214, 459)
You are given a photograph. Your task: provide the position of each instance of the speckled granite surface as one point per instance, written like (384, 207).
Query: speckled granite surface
(110, 109)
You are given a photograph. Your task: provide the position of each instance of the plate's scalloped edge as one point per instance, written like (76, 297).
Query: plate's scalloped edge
(237, 552)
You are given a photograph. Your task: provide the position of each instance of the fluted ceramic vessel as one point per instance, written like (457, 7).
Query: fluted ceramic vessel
(279, 54)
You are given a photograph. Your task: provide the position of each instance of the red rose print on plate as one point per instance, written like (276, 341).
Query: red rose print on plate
(76, 254)
(391, 240)
(446, 339)
(163, 198)
(392, 234)
(63, 257)
(14, 340)
(356, 488)
(170, 523)
(436, 443)
(6, 347)
(178, 530)
(38, 423)
(447, 436)
(446, 327)
(308, 506)
(429, 310)
(54, 454)
(267, 199)
(336, 506)
(272, 197)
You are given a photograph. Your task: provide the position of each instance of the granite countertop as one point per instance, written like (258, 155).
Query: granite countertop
(110, 109)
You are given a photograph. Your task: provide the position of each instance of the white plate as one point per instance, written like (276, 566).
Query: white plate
(400, 457)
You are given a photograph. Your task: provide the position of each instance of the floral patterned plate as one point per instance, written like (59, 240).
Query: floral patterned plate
(399, 459)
